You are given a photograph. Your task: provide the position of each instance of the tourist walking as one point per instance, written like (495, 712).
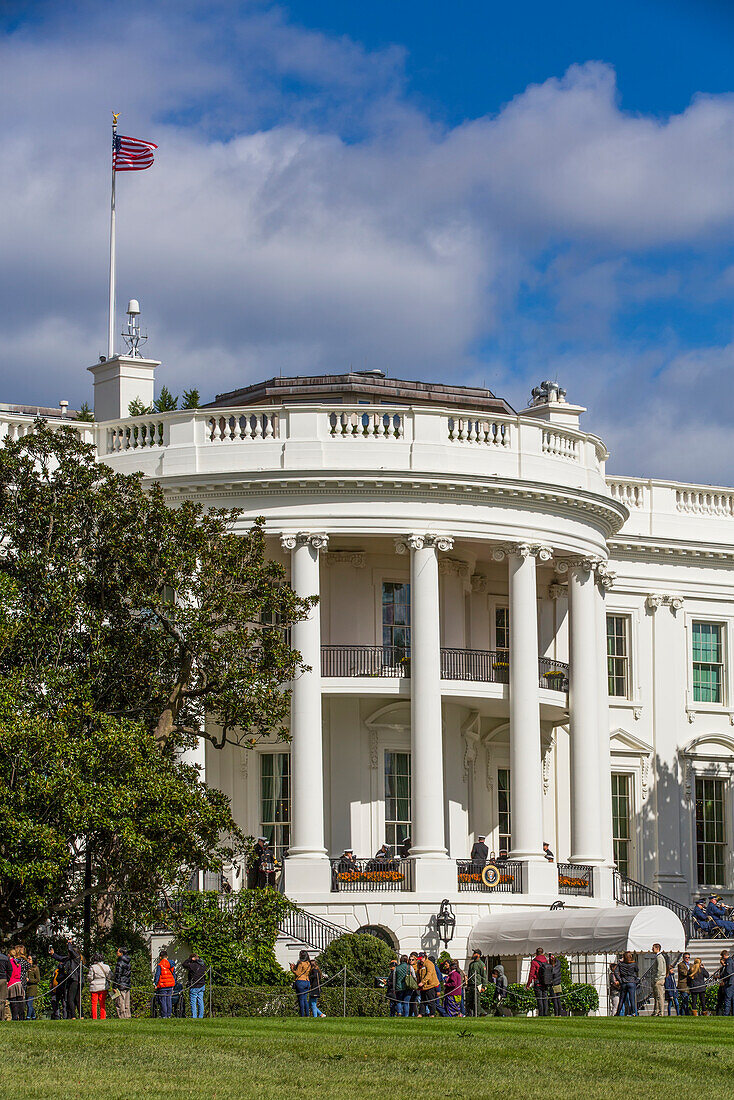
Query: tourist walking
(671, 991)
(196, 973)
(122, 980)
(540, 979)
(659, 974)
(164, 981)
(98, 977)
(499, 979)
(31, 988)
(477, 979)
(698, 975)
(684, 999)
(302, 975)
(452, 987)
(429, 985)
(628, 975)
(316, 980)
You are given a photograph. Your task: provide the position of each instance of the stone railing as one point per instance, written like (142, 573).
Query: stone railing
(560, 444)
(672, 510)
(705, 502)
(629, 493)
(464, 429)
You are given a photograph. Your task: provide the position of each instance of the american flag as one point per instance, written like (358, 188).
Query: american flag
(131, 154)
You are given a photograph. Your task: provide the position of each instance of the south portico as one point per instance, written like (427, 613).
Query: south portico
(307, 870)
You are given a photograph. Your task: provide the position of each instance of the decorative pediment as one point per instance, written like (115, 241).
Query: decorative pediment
(394, 716)
(622, 741)
(710, 746)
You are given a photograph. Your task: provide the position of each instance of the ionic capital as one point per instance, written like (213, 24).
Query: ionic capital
(317, 539)
(419, 541)
(557, 591)
(452, 567)
(356, 558)
(589, 564)
(479, 582)
(655, 600)
(523, 550)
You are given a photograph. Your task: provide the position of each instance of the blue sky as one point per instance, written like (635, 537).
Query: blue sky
(468, 191)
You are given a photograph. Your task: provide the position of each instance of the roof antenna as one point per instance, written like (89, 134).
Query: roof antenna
(133, 337)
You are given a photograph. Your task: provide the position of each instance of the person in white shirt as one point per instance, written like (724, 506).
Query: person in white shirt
(98, 976)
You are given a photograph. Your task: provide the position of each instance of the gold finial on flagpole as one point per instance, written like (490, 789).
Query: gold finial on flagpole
(115, 118)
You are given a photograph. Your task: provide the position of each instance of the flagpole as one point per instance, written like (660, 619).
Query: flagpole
(111, 313)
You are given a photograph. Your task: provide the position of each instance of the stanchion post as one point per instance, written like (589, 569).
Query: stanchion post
(344, 995)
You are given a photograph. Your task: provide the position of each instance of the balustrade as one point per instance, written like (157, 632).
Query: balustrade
(237, 428)
(362, 424)
(461, 429)
(370, 874)
(560, 444)
(576, 879)
(134, 435)
(508, 881)
(702, 502)
(629, 493)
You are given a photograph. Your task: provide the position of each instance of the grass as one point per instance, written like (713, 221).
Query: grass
(359, 1058)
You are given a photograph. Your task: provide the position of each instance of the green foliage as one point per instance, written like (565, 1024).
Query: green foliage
(581, 999)
(566, 980)
(519, 999)
(237, 942)
(165, 401)
(137, 408)
(85, 413)
(190, 399)
(100, 668)
(365, 957)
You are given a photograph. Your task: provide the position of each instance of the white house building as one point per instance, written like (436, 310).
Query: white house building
(508, 643)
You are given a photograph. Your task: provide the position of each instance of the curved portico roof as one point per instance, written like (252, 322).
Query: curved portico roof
(579, 931)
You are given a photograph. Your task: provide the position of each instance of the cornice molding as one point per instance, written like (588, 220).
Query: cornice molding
(646, 548)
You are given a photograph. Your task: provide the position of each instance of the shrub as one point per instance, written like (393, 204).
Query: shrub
(365, 957)
(581, 999)
(519, 999)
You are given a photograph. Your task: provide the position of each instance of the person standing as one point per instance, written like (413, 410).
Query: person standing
(315, 979)
(15, 987)
(402, 989)
(6, 971)
(453, 985)
(536, 979)
(476, 984)
(429, 985)
(547, 852)
(70, 974)
(302, 974)
(727, 985)
(659, 974)
(98, 977)
(31, 990)
(698, 975)
(479, 853)
(391, 987)
(556, 986)
(671, 992)
(499, 980)
(122, 980)
(684, 965)
(614, 987)
(253, 870)
(628, 974)
(164, 981)
(196, 971)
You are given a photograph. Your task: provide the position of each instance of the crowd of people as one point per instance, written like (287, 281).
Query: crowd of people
(676, 988)
(712, 917)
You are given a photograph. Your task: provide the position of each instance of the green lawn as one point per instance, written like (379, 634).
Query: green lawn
(389, 1059)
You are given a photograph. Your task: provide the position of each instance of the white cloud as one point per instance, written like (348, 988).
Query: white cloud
(303, 215)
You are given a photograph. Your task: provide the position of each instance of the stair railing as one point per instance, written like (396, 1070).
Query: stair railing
(629, 892)
(314, 931)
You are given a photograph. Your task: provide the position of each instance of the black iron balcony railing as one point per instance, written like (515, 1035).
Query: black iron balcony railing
(509, 880)
(482, 666)
(370, 874)
(576, 879)
(629, 892)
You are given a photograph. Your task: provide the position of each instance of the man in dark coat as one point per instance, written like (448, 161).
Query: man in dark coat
(253, 870)
(479, 853)
(477, 979)
(122, 981)
(71, 974)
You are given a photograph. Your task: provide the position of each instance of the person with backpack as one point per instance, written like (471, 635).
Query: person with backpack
(196, 971)
(540, 978)
(122, 980)
(164, 981)
(15, 986)
(556, 986)
(98, 978)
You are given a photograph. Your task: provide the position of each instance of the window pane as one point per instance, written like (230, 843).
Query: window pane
(275, 800)
(396, 616)
(710, 831)
(708, 662)
(617, 655)
(621, 821)
(502, 627)
(504, 809)
(397, 798)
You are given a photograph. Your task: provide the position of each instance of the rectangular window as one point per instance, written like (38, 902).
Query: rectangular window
(504, 808)
(618, 656)
(396, 617)
(275, 800)
(397, 799)
(621, 821)
(710, 831)
(502, 628)
(708, 662)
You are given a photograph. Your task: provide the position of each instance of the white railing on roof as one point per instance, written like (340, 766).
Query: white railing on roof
(704, 502)
(478, 429)
(561, 444)
(359, 423)
(237, 428)
(629, 493)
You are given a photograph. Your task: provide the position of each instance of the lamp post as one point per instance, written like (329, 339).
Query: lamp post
(445, 922)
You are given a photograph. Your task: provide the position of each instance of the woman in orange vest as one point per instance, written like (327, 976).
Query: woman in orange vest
(164, 983)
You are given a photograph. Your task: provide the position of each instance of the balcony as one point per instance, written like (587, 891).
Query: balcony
(482, 666)
(370, 874)
(576, 879)
(470, 877)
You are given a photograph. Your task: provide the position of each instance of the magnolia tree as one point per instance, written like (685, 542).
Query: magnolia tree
(128, 629)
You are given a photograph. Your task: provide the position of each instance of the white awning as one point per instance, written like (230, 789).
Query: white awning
(579, 931)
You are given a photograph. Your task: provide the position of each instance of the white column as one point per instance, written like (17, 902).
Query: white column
(432, 867)
(307, 868)
(586, 828)
(605, 579)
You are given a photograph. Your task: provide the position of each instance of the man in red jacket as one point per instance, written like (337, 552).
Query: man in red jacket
(536, 979)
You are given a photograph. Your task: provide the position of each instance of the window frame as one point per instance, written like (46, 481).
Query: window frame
(629, 839)
(722, 625)
(626, 657)
(724, 784)
(390, 750)
(275, 825)
(508, 791)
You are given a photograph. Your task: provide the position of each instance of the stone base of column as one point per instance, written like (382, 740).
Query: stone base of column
(603, 878)
(433, 875)
(539, 877)
(306, 875)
